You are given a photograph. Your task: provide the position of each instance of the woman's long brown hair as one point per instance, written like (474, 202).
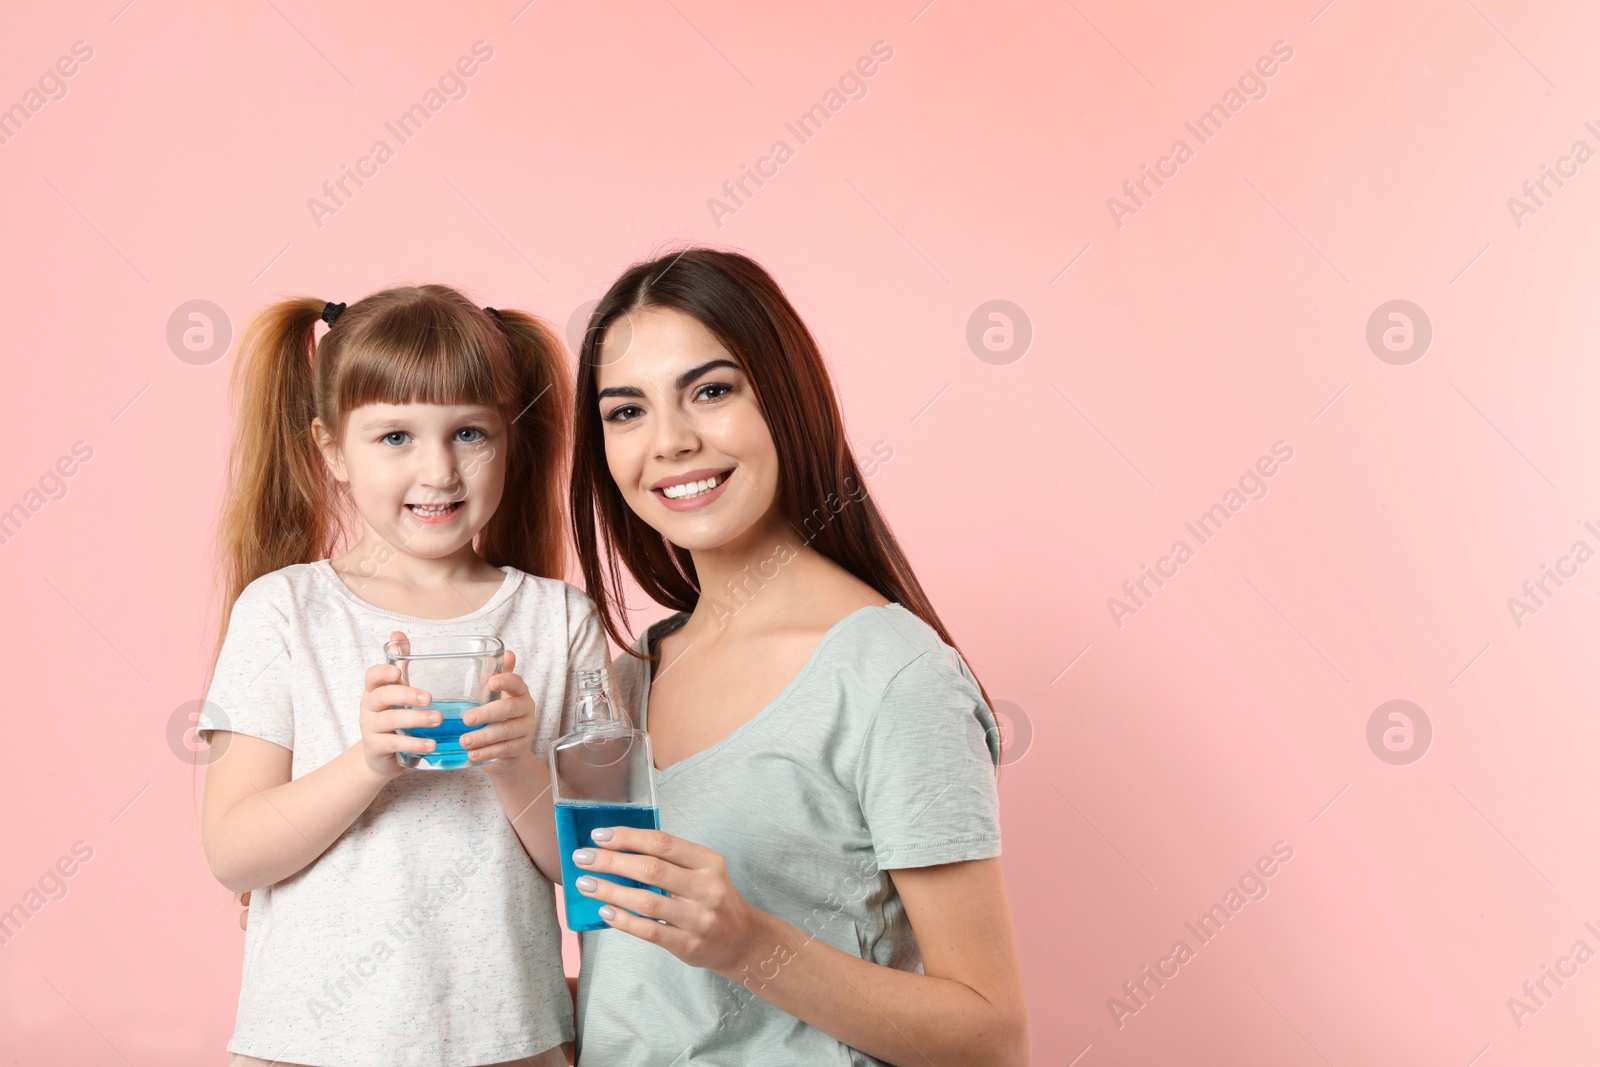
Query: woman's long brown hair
(415, 344)
(742, 306)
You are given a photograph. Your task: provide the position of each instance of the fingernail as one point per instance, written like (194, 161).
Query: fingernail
(584, 856)
(608, 913)
(586, 884)
(602, 834)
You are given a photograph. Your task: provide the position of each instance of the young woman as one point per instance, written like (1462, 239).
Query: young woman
(827, 762)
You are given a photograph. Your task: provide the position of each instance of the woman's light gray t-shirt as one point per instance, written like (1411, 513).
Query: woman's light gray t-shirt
(879, 754)
(424, 935)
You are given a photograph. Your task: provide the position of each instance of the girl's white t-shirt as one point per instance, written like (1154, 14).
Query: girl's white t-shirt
(424, 934)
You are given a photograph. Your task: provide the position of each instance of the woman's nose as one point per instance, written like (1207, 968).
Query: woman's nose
(675, 435)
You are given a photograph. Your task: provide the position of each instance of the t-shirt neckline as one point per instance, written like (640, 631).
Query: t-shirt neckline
(674, 622)
(507, 587)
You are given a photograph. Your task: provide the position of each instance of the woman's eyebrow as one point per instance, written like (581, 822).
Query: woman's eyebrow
(690, 375)
(682, 380)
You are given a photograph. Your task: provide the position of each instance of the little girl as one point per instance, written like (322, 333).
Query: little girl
(397, 916)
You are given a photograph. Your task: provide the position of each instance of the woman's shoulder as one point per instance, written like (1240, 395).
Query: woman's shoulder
(631, 672)
(883, 641)
(647, 641)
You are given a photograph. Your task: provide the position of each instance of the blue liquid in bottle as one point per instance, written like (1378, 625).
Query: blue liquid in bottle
(448, 755)
(575, 822)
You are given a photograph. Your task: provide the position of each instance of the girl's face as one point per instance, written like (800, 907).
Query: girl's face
(685, 439)
(397, 456)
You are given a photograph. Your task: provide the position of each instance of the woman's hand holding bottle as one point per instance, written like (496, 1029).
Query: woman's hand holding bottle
(705, 921)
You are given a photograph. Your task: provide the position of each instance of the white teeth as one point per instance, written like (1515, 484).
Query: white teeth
(431, 509)
(689, 489)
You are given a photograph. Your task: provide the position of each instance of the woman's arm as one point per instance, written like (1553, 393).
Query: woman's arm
(257, 826)
(967, 1006)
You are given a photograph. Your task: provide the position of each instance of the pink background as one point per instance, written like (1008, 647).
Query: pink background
(1163, 756)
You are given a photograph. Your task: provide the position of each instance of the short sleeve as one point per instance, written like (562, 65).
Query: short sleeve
(250, 690)
(586, 641)
(586, 651)
(926, 775)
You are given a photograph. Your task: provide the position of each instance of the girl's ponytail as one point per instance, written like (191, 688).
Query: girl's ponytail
(534, 538)
(278, 498)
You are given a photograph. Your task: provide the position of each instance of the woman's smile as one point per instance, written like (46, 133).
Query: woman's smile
(696, 489)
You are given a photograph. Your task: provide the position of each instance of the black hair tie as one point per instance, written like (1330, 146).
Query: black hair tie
(496, 315)
(331, 311)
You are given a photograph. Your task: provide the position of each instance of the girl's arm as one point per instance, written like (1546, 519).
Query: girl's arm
(967, 1006)
(525, 797)
(258, 827)
(522, 782)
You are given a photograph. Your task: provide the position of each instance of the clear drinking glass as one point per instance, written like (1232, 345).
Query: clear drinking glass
(455, 672)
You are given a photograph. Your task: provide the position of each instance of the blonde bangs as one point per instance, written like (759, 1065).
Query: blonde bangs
(426, 351)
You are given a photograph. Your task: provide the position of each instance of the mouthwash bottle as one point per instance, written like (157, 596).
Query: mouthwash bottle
(602, 774)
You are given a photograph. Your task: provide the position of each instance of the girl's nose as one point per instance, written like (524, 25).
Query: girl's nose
(439, 472)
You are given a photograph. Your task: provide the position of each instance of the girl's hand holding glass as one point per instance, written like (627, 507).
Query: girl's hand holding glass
(509, 722)
(383, 712)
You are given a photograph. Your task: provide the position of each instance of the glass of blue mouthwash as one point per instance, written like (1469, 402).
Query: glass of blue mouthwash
(602, 774)
(455, 672)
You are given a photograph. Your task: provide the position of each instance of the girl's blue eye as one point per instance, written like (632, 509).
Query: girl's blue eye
(465, 429)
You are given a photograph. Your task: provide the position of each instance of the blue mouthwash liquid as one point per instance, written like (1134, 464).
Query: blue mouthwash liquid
(574, 823)
(448, 754)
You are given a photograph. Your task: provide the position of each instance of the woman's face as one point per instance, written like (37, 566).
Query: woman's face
(686, 441)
